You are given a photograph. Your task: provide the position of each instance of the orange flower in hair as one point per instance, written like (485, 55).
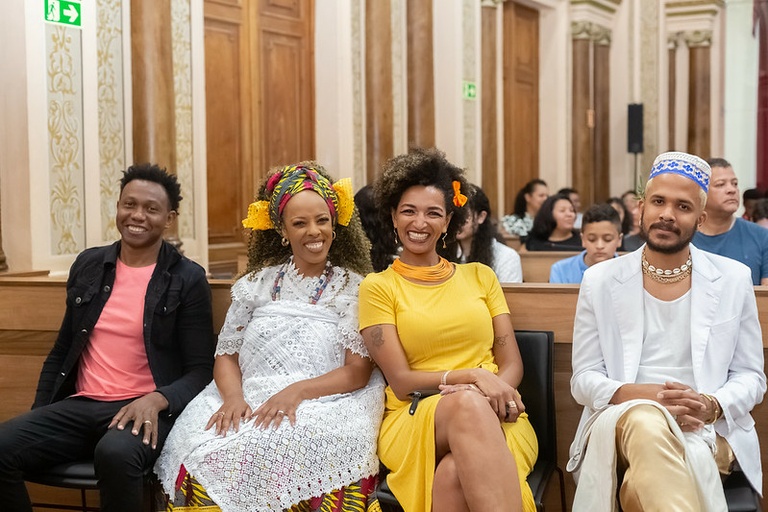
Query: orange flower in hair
(459, 199)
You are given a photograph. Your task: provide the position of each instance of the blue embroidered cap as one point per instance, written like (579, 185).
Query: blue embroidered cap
(689, 166)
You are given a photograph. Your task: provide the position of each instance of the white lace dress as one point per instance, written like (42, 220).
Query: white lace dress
(280, 342)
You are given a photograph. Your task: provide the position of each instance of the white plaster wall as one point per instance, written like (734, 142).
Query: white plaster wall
(555, 93)
(14, 157)
(740, 94)
(623, 91)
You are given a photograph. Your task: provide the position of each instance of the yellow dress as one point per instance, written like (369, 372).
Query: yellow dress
(441, 327)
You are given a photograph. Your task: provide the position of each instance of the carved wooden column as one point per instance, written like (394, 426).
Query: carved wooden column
(672, 84)
(699, 96)
(489, 105)
(602, 135)
(154, 129)
(378, 86)
(421, 80)
(583, 120)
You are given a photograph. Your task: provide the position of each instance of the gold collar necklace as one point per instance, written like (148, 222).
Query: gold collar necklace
(668, 276)
(440, 272)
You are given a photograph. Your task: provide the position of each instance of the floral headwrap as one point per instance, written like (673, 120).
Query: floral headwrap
(288, 182)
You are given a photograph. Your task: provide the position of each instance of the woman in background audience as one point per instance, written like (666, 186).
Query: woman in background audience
(476, 241)
(527, 203)
(632, 241)
(290, 420)
(383, 246)
(429, 325)
(553, 227)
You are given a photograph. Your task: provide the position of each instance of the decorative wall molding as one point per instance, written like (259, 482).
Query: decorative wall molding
(109, 34)
(65, 139)
(691, 15)
(182, 88)
(592, 31)
(697, 38)
(469, 74)
(599, 12)
(358, 90)
(673, 40)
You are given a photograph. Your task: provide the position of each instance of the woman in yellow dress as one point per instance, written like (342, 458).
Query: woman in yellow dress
(442, 335)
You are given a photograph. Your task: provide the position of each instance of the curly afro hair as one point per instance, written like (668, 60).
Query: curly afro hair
(350, 249)
(425, 167)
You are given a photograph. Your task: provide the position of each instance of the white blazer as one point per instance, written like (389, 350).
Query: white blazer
(726, 345)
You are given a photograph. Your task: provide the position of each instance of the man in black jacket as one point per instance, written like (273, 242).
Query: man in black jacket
(136, 345)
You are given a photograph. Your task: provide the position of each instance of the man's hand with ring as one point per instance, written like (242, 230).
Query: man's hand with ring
(143, 412)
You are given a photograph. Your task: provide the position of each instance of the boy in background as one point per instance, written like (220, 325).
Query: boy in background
(600, 235)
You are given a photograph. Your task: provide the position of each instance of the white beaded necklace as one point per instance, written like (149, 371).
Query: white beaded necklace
(668, 276)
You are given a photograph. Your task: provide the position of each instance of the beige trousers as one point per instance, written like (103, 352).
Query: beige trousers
(652, 461)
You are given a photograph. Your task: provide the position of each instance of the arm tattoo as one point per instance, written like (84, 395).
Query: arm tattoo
(377, 336)
(500, 340)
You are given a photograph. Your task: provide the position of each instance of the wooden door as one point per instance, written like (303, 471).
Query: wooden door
(521, 99)
(259, 109)
(286, 78)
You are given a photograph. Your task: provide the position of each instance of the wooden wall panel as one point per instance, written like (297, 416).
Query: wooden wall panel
(521, 99)
(286, 82)
(229, 119)
(421, 75)
(224, 105)
(489, 107)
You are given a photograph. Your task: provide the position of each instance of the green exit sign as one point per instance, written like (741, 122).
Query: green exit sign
(469, 90)
(64, 12)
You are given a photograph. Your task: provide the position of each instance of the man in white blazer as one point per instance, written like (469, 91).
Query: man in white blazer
(667, 361)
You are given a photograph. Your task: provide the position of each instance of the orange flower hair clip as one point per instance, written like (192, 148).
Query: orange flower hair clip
(459, 199)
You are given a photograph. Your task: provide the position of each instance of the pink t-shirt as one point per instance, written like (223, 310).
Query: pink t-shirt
(114, 364)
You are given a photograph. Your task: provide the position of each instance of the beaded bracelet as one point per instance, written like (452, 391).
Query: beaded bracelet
(443, 379)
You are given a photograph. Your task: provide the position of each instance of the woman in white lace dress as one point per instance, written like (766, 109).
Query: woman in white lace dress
(292, 416)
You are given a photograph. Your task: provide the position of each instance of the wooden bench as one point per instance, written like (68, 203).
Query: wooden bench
(536, 264)
(31, 310)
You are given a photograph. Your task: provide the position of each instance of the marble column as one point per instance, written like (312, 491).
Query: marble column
(699, 92)
(378, 86)
(154, 130)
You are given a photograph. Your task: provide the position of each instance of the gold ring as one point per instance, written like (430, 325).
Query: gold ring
(512, 404)
(280, 412)
(220, 413)
(147, 422)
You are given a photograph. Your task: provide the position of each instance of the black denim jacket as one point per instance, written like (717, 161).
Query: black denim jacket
(178, 326)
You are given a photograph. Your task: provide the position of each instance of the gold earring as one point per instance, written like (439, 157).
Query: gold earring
(444, 235)
(334, 236)
(397, 242)
(284, 242)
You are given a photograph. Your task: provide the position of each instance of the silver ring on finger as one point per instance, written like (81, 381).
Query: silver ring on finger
(147, 422)
(280, 412)
(512, 405)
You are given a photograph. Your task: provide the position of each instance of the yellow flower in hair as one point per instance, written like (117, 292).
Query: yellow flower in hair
(346, 201)
(258, 216)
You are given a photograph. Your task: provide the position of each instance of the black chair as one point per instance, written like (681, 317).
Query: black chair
(79, 475)
(739, 495)
(538, 390)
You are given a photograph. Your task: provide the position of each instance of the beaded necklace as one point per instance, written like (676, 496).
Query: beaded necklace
(667, 276)
(325, 278)
(443, 270)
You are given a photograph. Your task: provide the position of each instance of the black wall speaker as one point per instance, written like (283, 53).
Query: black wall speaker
(635, 128)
